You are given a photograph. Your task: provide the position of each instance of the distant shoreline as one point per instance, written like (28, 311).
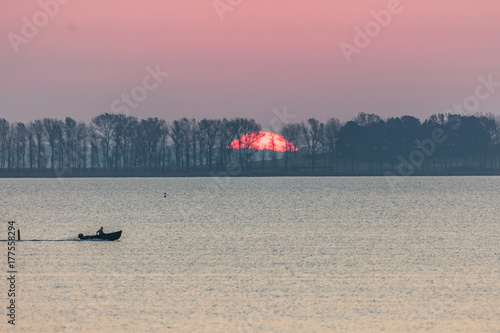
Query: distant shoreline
(244, 174)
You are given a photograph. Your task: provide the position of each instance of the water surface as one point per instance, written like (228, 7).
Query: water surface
(257, 254)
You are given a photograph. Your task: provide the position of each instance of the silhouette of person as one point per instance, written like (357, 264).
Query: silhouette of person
(100, 232)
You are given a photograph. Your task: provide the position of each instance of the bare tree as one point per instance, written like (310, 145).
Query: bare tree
(31, 144)
(53, 134)
(104, 128)
(226, 135)
(4, 134)
(152, 129)
(81, 140)
(209, 134)
(129, 141)
(178, 139)
(39, 132)
(164, 152)
(94, 148)
(20, 143)
(247, 133)
(294, 136)
(332, 128)
(313, 134)
(186, 129)
(69, 135)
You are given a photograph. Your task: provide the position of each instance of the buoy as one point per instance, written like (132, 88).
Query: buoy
(18, 234)
(165, 194)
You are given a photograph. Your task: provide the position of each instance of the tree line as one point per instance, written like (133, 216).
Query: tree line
(366, 144)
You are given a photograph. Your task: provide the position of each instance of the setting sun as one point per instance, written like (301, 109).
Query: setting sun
(264, 141)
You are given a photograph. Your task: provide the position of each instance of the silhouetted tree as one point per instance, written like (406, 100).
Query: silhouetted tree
(4, 134)
(177, 137)
(313, 134)
(293, 134)
(332, 128)
(39, 131)
(53, 134)
(226, 135)
(209, 130)
(20, 143)
(153, 130)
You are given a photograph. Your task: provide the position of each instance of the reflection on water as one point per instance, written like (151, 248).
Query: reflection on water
(257, 254)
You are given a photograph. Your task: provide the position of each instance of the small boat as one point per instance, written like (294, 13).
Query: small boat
(111, 236)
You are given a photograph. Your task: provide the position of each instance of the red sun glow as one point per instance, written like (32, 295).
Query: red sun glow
(263, 141)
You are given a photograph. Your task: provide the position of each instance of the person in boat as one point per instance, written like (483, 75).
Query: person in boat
(100, 232)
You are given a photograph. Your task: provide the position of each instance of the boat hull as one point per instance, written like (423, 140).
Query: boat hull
(111, 236)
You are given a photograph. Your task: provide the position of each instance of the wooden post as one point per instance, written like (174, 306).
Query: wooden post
(18, 234)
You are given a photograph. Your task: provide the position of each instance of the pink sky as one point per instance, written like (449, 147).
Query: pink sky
(265, 54)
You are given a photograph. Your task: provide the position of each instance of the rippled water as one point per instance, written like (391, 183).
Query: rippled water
(256, 254)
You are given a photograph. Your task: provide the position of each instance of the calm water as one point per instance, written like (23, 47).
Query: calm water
(256, 254)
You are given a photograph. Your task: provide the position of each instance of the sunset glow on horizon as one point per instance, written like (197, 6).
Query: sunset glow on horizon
(264, 141)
